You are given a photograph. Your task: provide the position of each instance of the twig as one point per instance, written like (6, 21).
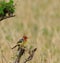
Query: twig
(20, 53)
(31, 55)
(7, 17)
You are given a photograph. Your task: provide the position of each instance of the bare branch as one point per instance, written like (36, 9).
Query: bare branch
(20, 53)
(31, 55)
(7, 17)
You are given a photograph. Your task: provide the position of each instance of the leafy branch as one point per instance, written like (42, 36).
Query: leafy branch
(6, 8)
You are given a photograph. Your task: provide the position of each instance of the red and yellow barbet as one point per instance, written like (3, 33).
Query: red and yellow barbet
(21, 42)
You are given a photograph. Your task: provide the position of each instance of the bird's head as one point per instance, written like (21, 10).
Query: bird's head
(25, 38)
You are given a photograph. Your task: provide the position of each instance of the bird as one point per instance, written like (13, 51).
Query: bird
(21, 41)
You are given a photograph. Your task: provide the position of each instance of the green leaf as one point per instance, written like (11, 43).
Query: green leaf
(6, 5)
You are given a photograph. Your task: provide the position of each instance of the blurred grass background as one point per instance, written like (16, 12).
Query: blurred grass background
(40, 21)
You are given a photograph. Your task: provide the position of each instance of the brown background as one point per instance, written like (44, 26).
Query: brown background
(40, 21)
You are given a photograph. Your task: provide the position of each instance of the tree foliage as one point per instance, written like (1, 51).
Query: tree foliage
(6, 6)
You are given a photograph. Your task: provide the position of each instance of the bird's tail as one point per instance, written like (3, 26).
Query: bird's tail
(14, 46)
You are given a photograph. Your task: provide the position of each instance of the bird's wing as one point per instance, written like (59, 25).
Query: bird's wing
(20, 41)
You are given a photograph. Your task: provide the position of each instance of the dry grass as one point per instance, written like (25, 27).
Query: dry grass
(40, 21)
